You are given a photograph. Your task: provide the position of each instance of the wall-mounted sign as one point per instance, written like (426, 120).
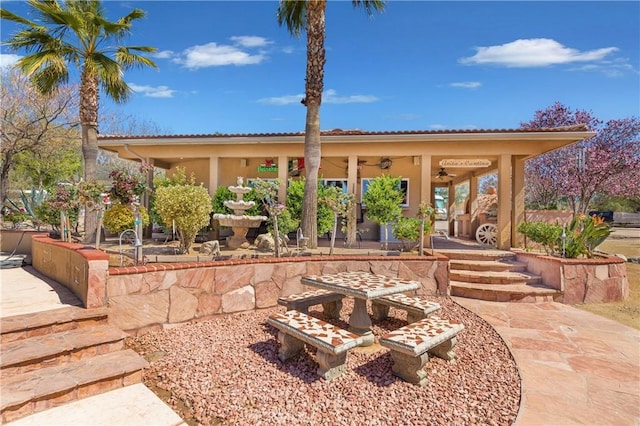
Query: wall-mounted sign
(465, 162)
(265, 168)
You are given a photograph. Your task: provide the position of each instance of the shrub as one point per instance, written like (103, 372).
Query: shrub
(382, 200)
(189, 206)
(295, 194)
(407, 229)
(543, 233)
(581, 236)
(119, 217)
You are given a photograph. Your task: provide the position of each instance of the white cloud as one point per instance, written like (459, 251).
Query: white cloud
(535, 52)
(8, 60)
(163, 54)
(466, 84)
(282, 100)
(216, 55)
(329, 97)
(152, 92)
(250, 41)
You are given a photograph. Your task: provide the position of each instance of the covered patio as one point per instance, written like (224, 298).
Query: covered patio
(424, 159)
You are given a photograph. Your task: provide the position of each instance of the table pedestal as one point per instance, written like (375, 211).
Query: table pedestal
(360, 323)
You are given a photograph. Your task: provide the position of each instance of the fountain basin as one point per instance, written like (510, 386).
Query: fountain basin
(239, 205)
(240, 189)
(234, 221)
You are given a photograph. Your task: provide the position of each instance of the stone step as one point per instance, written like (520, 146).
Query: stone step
(505, 293)
(480, 255)
(20, 327)
(35, 391)
(494, 277)
(26, 355)
(487, 265)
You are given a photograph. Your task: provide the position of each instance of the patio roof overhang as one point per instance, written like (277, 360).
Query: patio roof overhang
(166, 150)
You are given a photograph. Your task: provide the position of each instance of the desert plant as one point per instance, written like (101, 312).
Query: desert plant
(120, 217)
(583, 235)
(189, 205)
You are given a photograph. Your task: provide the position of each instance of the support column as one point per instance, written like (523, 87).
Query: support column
(473, 206)
(425, 179)
(352, 175)
(352, 188)
(148, 230)
(503, 236)
(517, 206)
(283, 175)
(451, 209)
(213, 174)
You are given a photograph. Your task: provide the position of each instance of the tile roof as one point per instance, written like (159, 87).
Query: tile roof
(355, 132)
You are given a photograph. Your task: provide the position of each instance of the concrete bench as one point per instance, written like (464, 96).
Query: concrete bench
(417, 307)
(296, 328)
(331, 302)
(411, 345)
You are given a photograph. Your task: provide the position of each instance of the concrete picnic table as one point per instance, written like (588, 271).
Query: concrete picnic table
(362, 286)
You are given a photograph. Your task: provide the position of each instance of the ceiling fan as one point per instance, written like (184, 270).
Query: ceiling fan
(442, 173)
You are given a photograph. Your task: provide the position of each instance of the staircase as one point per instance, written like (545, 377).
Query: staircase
(495, 275)
(53, 357)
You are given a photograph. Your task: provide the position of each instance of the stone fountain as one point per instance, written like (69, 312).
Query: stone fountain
(238, 221)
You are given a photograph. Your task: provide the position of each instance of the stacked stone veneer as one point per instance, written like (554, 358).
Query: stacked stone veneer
(593, 280)
(145, 298)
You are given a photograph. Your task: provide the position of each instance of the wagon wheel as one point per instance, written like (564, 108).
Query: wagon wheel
(486, 234)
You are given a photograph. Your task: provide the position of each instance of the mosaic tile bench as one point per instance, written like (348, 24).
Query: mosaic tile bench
(331, 302)
(411, 345)
(417, 307)
(296, 328)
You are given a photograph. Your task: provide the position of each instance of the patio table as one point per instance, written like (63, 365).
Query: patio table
(362, 286)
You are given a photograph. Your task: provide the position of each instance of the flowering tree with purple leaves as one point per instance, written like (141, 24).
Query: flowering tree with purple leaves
(607, 163)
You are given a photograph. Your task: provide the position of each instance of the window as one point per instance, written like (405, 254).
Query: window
(251, 181)
(338, 183)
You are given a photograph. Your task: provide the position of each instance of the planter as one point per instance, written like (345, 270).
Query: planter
(596, 280)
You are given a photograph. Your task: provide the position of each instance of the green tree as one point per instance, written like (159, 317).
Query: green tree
(383, 201)
(186, 204)
(310, 15)
(295, 197)
(78, 33)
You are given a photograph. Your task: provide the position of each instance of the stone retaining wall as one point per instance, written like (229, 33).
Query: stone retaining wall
(594, 280)
(145, 298)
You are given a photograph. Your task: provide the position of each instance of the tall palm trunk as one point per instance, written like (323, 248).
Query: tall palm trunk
(313, 98)
(89, 122)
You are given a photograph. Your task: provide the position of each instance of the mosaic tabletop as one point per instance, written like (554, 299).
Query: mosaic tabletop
(418, 337)
(362, 285)
(328, 337)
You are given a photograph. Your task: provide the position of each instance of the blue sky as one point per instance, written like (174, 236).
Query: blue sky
(226, 66)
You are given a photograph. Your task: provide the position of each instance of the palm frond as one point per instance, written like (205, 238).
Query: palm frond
(292, 13)
(128, 59)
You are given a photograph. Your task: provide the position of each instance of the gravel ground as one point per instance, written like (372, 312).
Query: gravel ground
(227, 372)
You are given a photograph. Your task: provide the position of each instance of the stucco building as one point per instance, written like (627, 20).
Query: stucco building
(424, 159)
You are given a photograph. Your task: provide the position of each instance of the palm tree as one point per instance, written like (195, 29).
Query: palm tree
(310, 14)
(77, 32)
